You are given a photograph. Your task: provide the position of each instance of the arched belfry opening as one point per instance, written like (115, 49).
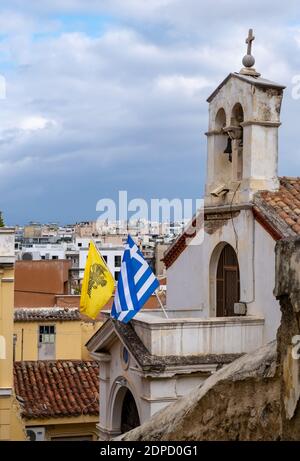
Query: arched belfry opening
(237, 115)
(220, 122)
(237, 135)
(234, 148)
(227, 282)
(222, 163)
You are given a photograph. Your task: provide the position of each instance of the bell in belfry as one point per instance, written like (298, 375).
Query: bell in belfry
(228, 148)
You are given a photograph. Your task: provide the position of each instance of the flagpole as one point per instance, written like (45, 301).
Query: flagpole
(161, 304)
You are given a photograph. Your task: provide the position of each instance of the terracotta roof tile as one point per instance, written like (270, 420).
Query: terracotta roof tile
(27, 314)
(52, 389)
(281, 208)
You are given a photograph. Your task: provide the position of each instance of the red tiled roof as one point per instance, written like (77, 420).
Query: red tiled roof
(281, 208)
(32, 314)
(62, 388)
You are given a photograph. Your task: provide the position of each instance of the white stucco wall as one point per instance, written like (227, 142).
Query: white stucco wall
(191, 278)
(185, 279)
(265, 303)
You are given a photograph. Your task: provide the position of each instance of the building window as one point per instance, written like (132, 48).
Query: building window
(117, 261)
(125, 357)
(79, 245)
(54, 257)
(105, 258)
(117, 273)
(47, 334)
(43, 257)
(228, 282)
(46, 343)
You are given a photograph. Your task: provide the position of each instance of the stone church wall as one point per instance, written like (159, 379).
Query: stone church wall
(287, 290)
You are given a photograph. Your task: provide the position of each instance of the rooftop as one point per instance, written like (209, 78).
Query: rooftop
(253, 80)
(282, 208)
(31, 314)
(52, 389)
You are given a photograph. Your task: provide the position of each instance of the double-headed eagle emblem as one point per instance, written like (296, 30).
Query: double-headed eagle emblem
(96, 277)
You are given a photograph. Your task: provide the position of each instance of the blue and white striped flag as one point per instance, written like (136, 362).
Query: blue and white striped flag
(136, 283)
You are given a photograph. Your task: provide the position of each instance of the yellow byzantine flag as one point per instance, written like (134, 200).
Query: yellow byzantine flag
(97, 285)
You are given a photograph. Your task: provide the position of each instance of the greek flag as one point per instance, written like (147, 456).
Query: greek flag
(136, 283)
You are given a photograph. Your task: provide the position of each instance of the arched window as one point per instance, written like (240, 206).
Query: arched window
(221, 166)
(220, 119)
(221, 139)
(237, 118)
(228, 282)
(237, 115)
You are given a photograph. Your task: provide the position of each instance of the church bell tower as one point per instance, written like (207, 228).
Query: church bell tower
(242, 137)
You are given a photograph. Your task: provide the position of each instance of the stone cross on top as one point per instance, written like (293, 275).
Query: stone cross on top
(249, 41)
(248, 59)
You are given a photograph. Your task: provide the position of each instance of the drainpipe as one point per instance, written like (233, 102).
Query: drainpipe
(14, 347)
(253, 268)
(22, 344)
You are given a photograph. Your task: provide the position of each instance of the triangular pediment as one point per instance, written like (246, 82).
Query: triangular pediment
(111, 332)
(252, 80)
(103, 339)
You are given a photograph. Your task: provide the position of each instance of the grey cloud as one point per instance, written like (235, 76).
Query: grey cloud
(126, 108)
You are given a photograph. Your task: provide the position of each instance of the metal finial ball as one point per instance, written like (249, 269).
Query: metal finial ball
(248, 60)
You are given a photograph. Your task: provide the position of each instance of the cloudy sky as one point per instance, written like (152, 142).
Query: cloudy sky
(109, 95)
